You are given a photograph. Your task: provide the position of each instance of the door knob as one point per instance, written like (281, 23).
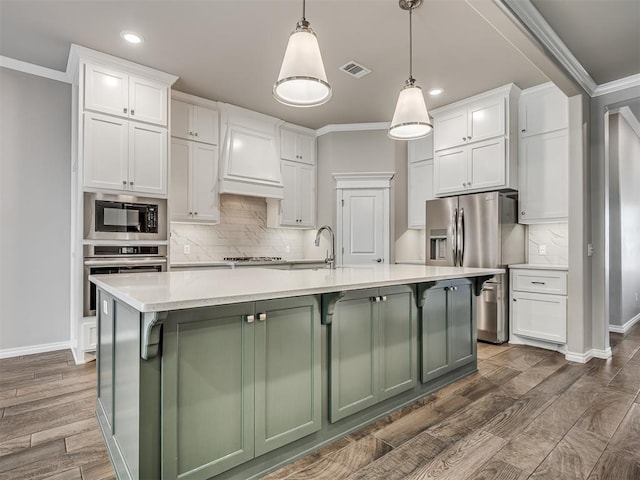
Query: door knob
(379, 260)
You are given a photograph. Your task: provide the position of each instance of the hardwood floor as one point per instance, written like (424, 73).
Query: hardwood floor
(526, 414)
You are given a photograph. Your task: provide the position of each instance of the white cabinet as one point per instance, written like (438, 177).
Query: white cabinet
(475, 143)
(114, 92)
(193, 194)
(543, 159)
(194, 122)
(298, 205)
(471, 168)
(419, 180)
(124, 156)
(539, 304)
(297, 146)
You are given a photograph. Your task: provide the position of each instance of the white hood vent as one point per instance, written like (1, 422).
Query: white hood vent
(250, 164)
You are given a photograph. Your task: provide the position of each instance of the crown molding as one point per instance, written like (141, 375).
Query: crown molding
(352, 127)
(32, 69)
(634, 123)
(617, 85)
(542, 31)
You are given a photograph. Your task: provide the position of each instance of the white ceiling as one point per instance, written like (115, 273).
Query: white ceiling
(230, 50)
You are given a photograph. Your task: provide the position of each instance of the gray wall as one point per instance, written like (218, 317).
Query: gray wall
(35, 206)
(362, 151)
(624, 271)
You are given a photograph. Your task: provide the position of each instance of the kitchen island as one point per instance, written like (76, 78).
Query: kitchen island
(233, 373)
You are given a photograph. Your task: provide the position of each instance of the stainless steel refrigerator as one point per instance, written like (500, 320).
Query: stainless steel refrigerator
(478, 230)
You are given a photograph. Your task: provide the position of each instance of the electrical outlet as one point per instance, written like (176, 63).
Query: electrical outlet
(589, 250)
(542, 249)
(187, 249)
(287, 248)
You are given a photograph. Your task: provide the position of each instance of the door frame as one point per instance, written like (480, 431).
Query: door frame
(358, 181)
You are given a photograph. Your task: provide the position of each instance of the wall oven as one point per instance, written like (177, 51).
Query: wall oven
(118, 259)
(124, 217)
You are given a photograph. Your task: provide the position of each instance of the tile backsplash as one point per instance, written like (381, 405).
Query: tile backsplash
(242, 231)
(555, 237)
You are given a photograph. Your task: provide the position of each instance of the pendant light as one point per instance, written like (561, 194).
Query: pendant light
(302, 81)
(410, 119)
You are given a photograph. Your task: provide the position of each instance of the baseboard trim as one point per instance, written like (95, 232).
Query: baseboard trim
(47, 347)
(626, 327)
(585, 357)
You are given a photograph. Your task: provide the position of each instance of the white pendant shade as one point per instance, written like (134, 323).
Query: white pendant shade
(410, 119)
(302, 81)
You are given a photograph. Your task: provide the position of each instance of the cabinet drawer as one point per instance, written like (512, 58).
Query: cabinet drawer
(539, 281)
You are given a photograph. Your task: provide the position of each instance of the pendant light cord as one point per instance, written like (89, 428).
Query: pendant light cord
(303, 10)
(410, 47)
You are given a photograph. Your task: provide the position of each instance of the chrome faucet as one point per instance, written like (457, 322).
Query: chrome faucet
(331, 259)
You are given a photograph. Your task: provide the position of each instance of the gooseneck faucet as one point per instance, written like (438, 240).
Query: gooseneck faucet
(331, 259)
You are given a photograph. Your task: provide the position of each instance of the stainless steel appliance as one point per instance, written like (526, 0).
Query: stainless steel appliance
(124, 217)
(478, 230)
(114, 259)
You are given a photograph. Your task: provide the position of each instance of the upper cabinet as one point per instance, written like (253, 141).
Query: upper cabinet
(114, 92)
(543, 157)
(475, 143)
(297, 146)
(194, 122)
(419, 180)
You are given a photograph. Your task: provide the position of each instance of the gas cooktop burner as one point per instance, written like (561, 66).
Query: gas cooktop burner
(252, 259)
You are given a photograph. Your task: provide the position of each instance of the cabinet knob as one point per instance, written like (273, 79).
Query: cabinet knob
(191, 133)
(524, 130)
(522, 213)
(131, 183)
(195, 213)
(132, 112)
(190, 213)
(514, 299)
(464, 139)
(124, 110)
(249, 318)
(262, 317)
(196, 134)
(124, 182)
(468, 138)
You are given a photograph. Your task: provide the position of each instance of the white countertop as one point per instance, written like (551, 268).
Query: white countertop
(232, 264)
(539, 266)
(156, 292)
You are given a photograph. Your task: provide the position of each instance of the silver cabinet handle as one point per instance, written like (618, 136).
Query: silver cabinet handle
(196, 134)
(124, 110)
(524, 130)
(124, 182)
(190, 213)
(522, 213)
(195, 213)
(132, 112)
(131, 182)
(262, 317)
(538, 283)
(249, 318)
(375, 299)
(191, 133)
(384, 298)
(464, 139)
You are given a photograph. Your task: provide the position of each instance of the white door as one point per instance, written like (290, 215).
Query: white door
(147, 158)
(290, 193)
(181, 120)
(148, 101)
(487, 164)
(205, 125)
(179, 195)
(450, 170)
(486, 120)
(204, 194)
(363, 228)
(450, 129)
(105, 152)
(288, 145)
(106, 91)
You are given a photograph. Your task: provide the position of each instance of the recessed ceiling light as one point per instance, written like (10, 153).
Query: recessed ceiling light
(132, 37)
(435, 91)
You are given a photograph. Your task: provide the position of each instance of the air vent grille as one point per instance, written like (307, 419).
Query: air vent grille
(354, 69)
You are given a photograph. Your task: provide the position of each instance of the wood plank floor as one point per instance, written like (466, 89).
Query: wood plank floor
(526, 413)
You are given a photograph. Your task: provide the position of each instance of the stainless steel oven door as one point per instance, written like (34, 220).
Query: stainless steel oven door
(100, 266)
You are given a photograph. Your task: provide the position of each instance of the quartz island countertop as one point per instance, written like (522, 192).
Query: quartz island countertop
(156, 292)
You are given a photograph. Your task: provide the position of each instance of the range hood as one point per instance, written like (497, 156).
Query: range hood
(250, 162)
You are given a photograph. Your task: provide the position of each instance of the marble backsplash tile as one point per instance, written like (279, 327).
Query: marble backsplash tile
(555, 236)
(242, 232)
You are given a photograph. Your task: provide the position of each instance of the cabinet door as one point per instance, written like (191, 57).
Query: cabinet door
(204, 183)
(205, 125)
(543, 173)
(306, 195)
(450, 170)
(288, 145)
(420, 183)
(208, 385)
(179, 194)
(147, 158)
(181, 120)
(287, 372)
(542, 111)
(450, 129)
(289, 213)
(353, 374)
(435, 344)
(148, 101)
(105, 152)
(397, 331)
(539, 316)
(487, 164)
(462, 329)
(486, 119)
(420, 149)
(106, 90)
(307, 149)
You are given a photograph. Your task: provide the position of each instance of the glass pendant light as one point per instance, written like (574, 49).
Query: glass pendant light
(302, 81)
(410, 119)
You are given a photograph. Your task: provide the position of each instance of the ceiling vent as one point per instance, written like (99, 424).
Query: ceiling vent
(355, 69)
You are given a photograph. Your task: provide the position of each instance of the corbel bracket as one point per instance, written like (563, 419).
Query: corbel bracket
(478, 282)
(151, 334)
(422, 288)
(329, 301)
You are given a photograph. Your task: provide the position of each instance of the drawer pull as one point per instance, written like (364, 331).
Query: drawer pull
(538, 283)
(249, 318)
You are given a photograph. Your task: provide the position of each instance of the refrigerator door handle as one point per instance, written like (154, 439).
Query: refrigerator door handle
(460, 229)
(454, 237)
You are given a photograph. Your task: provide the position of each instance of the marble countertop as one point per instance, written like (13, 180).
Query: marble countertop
(539, 266)
(231, 264)
(156, 292)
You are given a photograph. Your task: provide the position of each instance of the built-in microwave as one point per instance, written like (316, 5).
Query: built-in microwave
(124, 217)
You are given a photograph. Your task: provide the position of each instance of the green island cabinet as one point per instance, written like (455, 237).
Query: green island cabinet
(448, 328)
(373, 338)
(239, 381)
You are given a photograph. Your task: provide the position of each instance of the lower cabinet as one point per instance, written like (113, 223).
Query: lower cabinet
(373, 355)
(247, 381)
(448, 329)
